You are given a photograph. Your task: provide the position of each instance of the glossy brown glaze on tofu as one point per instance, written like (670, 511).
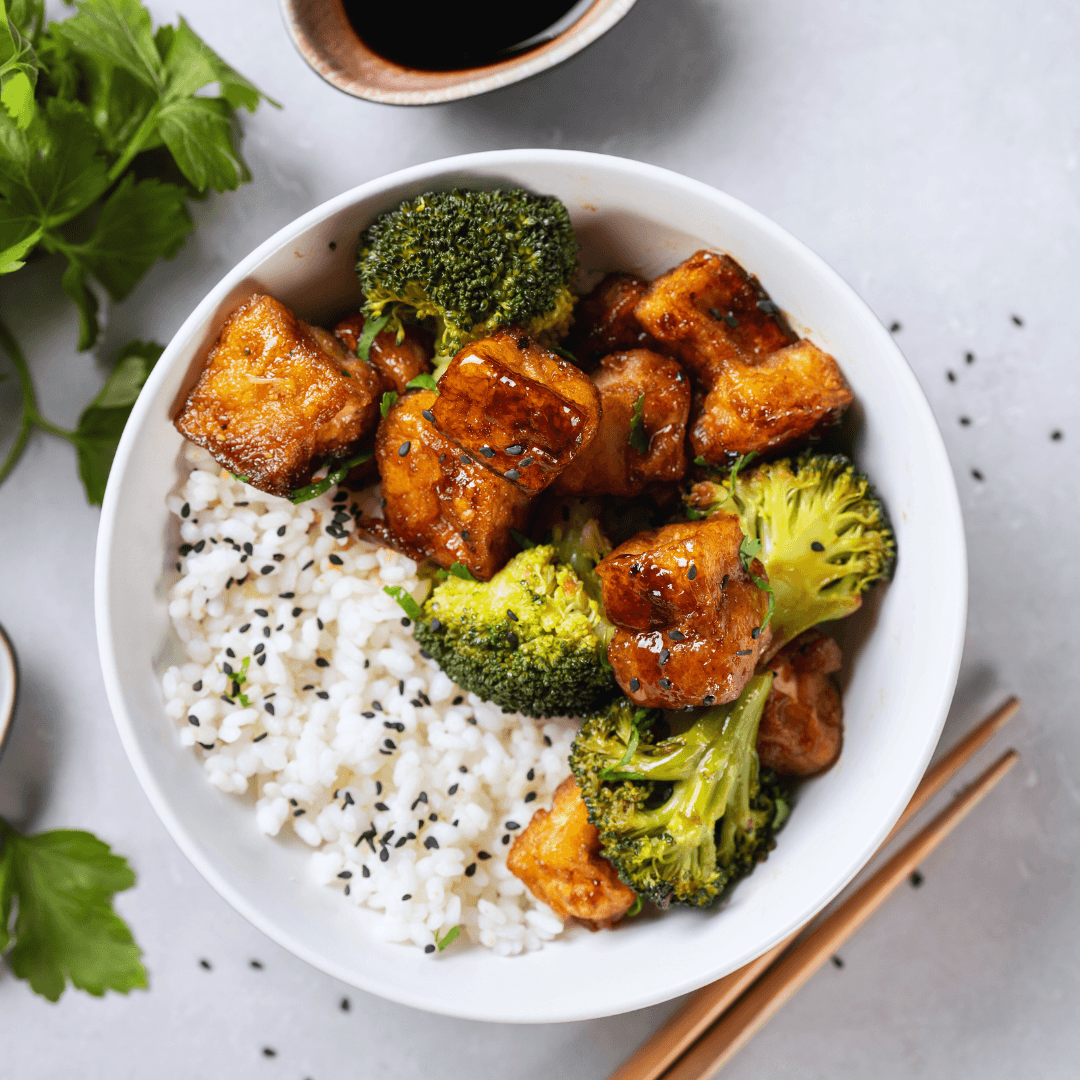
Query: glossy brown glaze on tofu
(439, 502)
(558, 857)
(687, 614)
(397, 364)
(277, 397)
(802, 727)
(516, 407)
(604, 320)
(610, 465)
(758, 386)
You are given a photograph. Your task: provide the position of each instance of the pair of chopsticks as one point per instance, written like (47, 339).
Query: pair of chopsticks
(719, 1019)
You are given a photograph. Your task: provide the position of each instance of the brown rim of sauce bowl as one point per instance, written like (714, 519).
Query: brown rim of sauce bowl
(326, 39)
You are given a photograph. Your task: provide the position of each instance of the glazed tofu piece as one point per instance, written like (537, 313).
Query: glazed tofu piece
(687, 614)
(613, 463)
(604, 320)
(277, 397)
(787, 397)
(397, 364)
(759, 387)
(518, 409)
(802, 728)
(439, 502)
(558, 857)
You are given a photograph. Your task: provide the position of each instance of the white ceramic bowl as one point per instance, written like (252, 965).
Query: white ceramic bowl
(903, 649)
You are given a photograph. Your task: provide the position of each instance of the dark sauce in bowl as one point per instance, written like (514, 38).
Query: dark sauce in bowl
(450, 35)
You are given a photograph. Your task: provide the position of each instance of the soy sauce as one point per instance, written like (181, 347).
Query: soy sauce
(448, 35)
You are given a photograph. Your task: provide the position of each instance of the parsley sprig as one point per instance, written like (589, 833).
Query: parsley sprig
(57, 923)
(105, 133)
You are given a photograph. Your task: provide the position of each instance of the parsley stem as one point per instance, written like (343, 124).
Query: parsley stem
(144, 131)
(29, 416)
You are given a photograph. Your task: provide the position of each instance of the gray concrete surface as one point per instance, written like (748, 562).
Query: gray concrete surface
(928, 150)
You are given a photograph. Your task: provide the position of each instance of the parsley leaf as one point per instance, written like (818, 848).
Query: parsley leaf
(102, 422)
(335, 476)
(198, 133)
(639, 439)
(460, 570)
(372, 329)
(65, 928)
(404, 600)
(389, 400)
(748, 550)
(18, 71)
(424, 381)
(448, 938)
(118, 32)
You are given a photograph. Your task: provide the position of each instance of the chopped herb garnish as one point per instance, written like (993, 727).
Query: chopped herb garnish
(566, 354)
(424, 381)
(335, 476)
(404, 600)
(639, 438)
(635, 908)
(241, 479)
(521, 540)
(372, 327)
(389, 400)
(460, 570)
(448, 938)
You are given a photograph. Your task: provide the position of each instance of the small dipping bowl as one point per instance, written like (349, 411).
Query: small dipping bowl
(325, 38)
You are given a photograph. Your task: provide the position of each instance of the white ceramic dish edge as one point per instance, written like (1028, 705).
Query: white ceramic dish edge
(626, 995)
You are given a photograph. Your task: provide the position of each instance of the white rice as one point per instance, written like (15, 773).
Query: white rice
(380, 741)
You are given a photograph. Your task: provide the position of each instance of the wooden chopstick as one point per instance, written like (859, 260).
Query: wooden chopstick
(766, 997)
(706, 1005)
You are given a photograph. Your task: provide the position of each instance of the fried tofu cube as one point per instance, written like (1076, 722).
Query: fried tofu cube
(787, 397)
(611, 464)
(277, 397)
(604, 319)
(759, 388)
(558, 857)
(439, 501)
(709, 311)
(688, 616)
(398, 364)
(520, 410)
(802, 727)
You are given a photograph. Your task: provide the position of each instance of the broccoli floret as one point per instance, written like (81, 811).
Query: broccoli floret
(681, 817)
(472, 262)
(531, 639)
(824, 534)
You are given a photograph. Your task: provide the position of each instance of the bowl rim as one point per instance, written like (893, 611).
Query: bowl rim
(949, 526)
(431, 87)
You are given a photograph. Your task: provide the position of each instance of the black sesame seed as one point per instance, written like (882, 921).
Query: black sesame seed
(269, 1051)
(381, 806)
(708, 699)
(368, 715)
(428, 415)
(969, 357)
(416, 703)
(251, 551)
(185, 510)
(197, 686)
(337, 561)
(407, 896)
(452, 790)
(227, 667)
(482, 855)
(259, 648)
(730, 319)
(401, 841)
(1017, 320)
(320, 662)
(692, 572)
(205, 964)
(744, 652)
(951, 376)
(470, 869)
(756, 633)
(431, 843)
(365, 871)
(817, 545)
(965, 421)
(635, 685)
(458, 700)
(531, 774)
(677, 635)
(319, 624)
(322, 694)
(530, 796)
(768, 307)
(506, 839)
(664, 684)
(723, 583)
(297, 813)
(297, 612)
(256, 964)
(837, 962)
(199, 546)
(266, 631)
(511, 825)
(465, 459)
(193, 720)
(384, 855)
(512, 474)
(470, 720)
(665, 656)
(406, 621)
(487, 451)
(269, 707)
(512, 639)
(894, 327)
(429, 948)
(281, 531)
(403, 449)
(386, 837)
(349, 800)
(262, 660)
(976, 474)
(245, 628)
(207, 745)
(916, 879)
(526, 462)
(514, 450)
(266, 570)
(433, 817)
(345, 875)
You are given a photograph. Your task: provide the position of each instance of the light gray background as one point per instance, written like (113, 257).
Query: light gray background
(928, 150)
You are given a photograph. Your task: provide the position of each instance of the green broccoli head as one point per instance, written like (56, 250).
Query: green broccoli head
(471, 261)
(682, 816)
(531, 639)
(580, 543)
(825, 536)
